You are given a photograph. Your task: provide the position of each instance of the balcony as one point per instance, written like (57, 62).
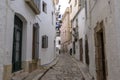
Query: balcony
(34, 5)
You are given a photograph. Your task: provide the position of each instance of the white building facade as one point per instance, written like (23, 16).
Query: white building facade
(78, 24)
(47, 28)
(23, 28)
(103, 37)
(79, 35)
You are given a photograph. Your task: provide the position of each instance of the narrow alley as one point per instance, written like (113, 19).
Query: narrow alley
(63, 70)
(59, 39)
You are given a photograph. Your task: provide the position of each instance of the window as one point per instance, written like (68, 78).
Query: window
(44, 41)
(44, 6)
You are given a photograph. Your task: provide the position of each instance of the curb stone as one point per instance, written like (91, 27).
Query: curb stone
(82, 67)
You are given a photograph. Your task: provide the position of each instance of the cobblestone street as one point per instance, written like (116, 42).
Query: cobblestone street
(65, 69)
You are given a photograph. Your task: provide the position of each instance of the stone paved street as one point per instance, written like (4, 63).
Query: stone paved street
(65, 69)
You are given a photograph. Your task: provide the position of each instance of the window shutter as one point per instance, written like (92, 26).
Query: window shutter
(44, 41)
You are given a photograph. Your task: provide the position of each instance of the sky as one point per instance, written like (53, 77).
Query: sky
(64, 5)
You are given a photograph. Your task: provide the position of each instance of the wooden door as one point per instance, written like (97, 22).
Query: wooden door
(81, 49)
(35, 51)
(86, 51)
(35, 48)
(17, 45)
(100, 56)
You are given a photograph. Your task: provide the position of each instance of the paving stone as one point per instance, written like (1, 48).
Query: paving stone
(65, 69)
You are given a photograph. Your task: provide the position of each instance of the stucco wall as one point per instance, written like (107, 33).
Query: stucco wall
(9, 9)
(81, 29)
(2, 33)
(113, 47)
(108, 12)
(28, 17)
(97, 15)
(65, 30)
(81, 32)
(74, 9)
(18, 7)
(47, 28)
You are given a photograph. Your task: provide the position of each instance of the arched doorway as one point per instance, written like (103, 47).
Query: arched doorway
(17, 45)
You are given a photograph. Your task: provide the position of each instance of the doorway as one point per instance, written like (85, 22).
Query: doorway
(74, 52)
(81, 49)
(86, 51)
(17, 45)
(35, 47)
(100, 53)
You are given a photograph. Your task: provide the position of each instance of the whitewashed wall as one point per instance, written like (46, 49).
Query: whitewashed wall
(28, 17)
(46, 28)
(108, 12)
(74, 9)
(9, 9)
(2, 37)
(81, 32)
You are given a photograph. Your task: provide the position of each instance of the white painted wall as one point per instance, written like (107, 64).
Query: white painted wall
(2, 33)
(113, 42)
(74, 8)
(46, 28)
(81, 29)
(81, 32)
(22, 10)
(29, 19)
(109, 13)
